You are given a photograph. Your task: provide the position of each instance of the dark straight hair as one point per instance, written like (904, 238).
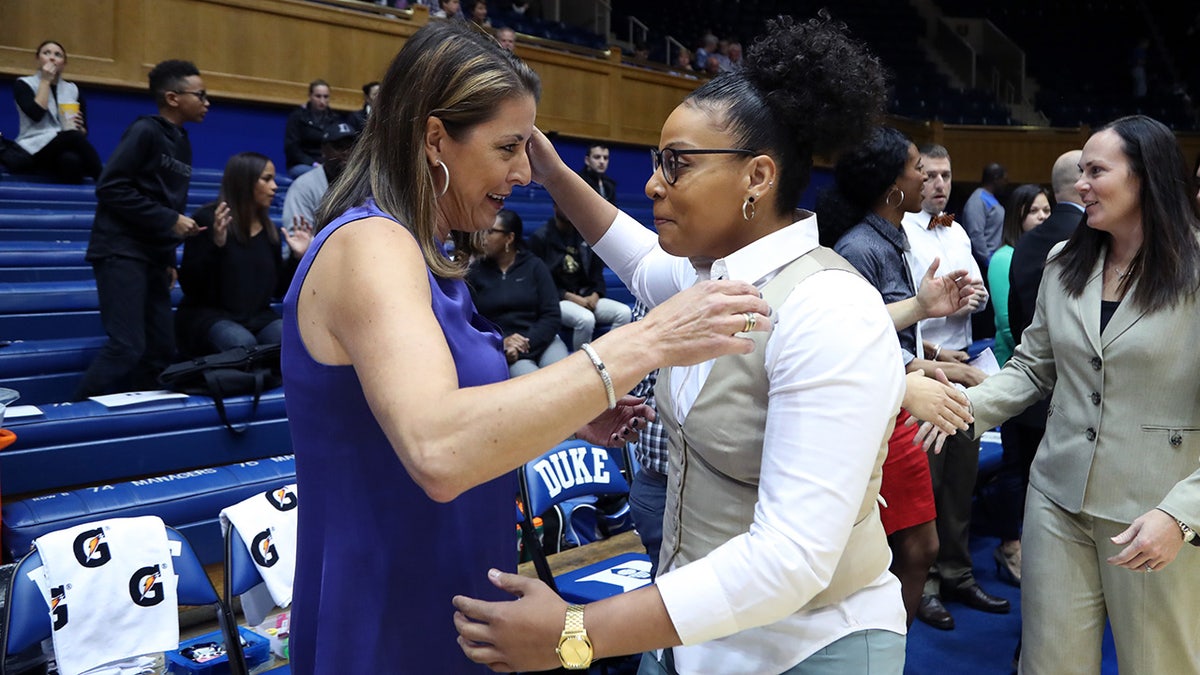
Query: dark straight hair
(237, 190)
(1020, 203)
(1168, 265)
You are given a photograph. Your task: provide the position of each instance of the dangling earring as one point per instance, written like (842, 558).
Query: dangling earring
(749, 209)
(446, 171)
(888, 199)
(507, 244)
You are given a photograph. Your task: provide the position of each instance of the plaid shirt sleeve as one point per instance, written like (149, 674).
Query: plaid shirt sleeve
(651, 448)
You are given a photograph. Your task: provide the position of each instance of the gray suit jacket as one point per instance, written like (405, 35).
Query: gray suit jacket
(1123, 435)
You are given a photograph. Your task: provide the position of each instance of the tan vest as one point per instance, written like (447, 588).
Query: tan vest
(715, 457)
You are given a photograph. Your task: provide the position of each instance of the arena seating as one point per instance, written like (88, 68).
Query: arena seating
(82, 461)
(189, 501)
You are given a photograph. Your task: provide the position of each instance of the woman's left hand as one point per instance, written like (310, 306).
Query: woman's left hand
(1153, 542)
(621, 425)
(517, 635)
(79, 125)
(300, 236)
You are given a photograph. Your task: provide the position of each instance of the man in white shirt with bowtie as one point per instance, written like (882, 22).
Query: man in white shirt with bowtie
(933, 233)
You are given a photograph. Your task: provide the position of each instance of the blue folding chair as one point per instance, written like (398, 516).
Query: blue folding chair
(571, 470)
(27, 621)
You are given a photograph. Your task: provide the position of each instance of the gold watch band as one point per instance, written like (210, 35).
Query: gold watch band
(574, 618)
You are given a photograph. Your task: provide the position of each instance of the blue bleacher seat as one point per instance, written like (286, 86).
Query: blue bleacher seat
(84, 443)
(188, 501)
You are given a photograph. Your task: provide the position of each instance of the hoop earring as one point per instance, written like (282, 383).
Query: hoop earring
(446, 171)
(888, 200)
(749, 204)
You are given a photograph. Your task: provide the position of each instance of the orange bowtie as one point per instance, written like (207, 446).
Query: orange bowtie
(943, 220)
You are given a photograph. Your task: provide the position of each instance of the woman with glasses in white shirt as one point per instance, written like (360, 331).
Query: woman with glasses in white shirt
(773, 559)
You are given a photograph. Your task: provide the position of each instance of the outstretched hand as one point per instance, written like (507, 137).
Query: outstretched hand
(221, 220)
(706, 321)
(517, 635)
(300, 237)
(543, 158)
(623, 424)
(944, 295)
(935, 400)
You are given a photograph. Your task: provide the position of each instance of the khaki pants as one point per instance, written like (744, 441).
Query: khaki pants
(1068, 589)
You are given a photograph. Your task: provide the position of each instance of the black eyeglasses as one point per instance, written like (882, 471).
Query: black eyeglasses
(201, 95)
(667, 159)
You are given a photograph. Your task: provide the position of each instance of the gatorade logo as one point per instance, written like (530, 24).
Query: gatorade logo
(282, 499)
(145, 586)
(262, 549)
(91, 549)
(58, 606)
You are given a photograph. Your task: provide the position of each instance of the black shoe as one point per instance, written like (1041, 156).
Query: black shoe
(976, 598)
(933, 612)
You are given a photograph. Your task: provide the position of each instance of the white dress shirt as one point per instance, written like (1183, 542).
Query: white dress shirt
(833, 362)
(953, 245)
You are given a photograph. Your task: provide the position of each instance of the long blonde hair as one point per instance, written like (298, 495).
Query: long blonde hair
(446, 70)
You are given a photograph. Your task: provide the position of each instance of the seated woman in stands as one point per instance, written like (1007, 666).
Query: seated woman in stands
(513, 289)
(233, 270)
(53, 136)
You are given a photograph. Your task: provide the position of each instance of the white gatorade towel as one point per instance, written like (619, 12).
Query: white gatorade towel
(267, 525)
(112, 591)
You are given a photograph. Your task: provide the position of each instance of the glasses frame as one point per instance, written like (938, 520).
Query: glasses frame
(201, 95)
(659, 158)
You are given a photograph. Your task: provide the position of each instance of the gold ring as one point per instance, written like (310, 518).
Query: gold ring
(751, 322)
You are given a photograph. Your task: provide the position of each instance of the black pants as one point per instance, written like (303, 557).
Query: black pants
(69, 158)
(1020, 444)
(135, 308)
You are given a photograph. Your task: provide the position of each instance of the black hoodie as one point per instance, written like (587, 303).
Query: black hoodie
(141, 193)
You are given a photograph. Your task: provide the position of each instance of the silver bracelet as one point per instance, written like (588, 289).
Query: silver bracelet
(608, 385)
(937, 352)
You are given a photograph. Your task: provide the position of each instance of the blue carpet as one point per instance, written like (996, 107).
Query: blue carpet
(981, 643)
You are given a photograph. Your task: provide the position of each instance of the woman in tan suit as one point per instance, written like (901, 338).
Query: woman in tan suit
(1115, 485)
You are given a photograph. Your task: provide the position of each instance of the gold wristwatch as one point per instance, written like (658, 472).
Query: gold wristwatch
(1188, 533)
(574, 648)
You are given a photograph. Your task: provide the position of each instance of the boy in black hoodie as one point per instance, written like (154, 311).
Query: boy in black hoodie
(141, 196)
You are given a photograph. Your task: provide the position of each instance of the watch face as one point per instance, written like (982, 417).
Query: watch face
(575, 651)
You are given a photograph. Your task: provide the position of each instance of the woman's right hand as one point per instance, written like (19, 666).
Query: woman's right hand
(933, 399)
(944, 295)
(49, 72)
(703, 322)
(221, 220)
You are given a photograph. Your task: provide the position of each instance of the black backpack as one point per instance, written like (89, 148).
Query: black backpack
(237, 372)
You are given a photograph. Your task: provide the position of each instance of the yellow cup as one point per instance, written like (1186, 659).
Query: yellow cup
(67, 113)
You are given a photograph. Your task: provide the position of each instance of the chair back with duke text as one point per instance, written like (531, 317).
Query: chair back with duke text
(571, 470)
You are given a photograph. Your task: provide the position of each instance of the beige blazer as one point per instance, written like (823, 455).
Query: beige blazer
(1123, 432)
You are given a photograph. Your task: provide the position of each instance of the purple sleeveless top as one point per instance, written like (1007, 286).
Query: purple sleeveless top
(378, 560)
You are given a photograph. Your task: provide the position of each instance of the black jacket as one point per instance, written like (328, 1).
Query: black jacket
(573, 265)
(141, 193)
(522, 300)
(1024, 281)
(237, 282)
(302, 137)
(598, 179)
(1028, 259)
